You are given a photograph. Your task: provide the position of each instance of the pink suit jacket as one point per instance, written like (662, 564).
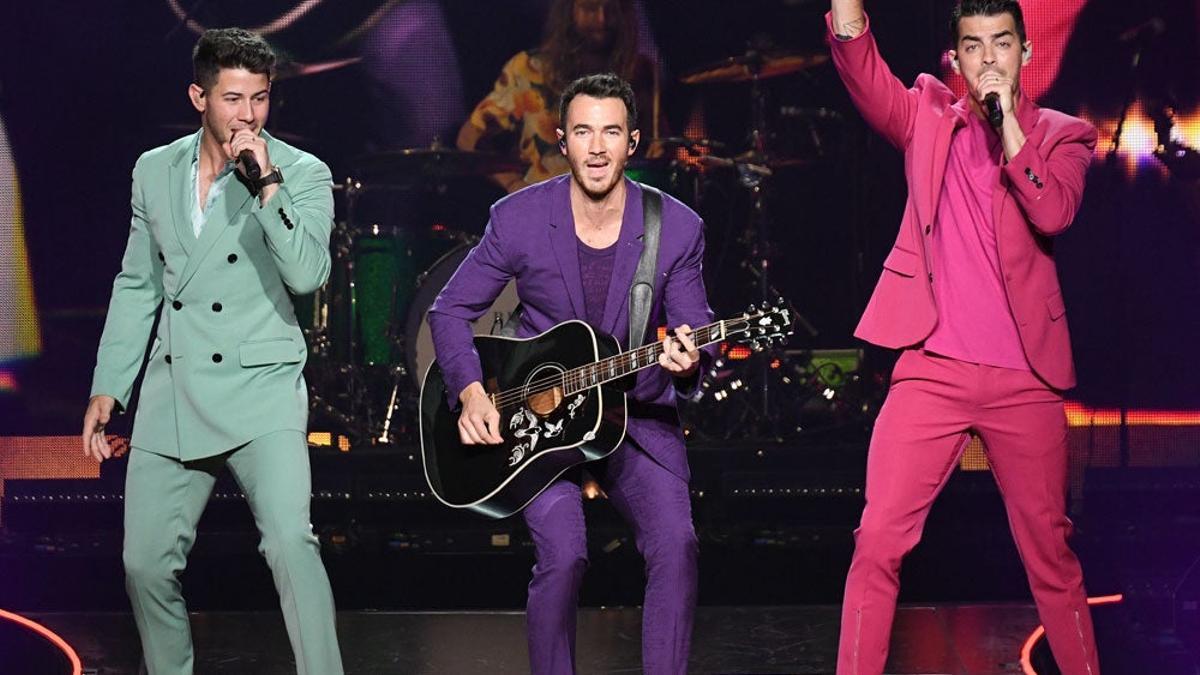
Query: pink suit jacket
(1038, 193)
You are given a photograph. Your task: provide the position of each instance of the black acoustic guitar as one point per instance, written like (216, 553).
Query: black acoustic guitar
(561, 398)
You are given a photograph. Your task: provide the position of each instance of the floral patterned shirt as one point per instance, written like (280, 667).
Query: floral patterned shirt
(521, 110)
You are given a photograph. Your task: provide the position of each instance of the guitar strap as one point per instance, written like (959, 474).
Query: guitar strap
(641, 291)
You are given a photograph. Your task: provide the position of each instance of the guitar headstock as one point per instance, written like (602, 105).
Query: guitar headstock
(762, 326)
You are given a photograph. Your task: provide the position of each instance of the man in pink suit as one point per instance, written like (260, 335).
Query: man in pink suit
(971, 295)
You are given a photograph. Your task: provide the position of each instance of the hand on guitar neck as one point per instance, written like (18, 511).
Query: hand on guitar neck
(479, 422)
(680, 356)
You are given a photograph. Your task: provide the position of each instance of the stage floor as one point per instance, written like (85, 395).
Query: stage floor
(930, 640)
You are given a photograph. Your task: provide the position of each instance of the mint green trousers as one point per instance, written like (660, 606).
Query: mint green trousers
(163, 502)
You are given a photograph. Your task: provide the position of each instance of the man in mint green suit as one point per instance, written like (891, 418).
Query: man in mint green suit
(220, 253)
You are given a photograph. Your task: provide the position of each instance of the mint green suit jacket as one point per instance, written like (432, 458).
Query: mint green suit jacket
(226, 364)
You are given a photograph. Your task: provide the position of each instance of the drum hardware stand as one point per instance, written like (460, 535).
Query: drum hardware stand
(771, 417)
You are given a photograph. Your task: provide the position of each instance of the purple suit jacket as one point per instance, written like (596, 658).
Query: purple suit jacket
(531, 237)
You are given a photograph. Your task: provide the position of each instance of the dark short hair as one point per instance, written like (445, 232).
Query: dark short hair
(987, 8)
(230, 48)
(603, 85)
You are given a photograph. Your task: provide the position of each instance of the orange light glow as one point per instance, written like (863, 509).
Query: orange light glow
(1079, 415)
(739, 353)
(1027, 648)
(76, 665)
(1138, 140)
(8, 382)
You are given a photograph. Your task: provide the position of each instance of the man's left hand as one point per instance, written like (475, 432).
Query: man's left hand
(682, 359)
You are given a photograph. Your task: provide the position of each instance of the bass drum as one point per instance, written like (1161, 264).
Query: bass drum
(419, 345)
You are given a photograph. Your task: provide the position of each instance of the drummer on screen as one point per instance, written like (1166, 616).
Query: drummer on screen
(519, 116)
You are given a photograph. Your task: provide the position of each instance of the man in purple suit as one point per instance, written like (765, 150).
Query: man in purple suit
(573, 243)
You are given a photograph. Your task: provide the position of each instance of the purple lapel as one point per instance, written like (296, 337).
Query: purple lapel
(563, 242)
(629, 250)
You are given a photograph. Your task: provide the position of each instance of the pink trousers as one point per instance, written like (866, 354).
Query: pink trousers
(933, 404)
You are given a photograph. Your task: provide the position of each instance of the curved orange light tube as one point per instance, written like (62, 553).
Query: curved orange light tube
(76, 665)
(1027, 648)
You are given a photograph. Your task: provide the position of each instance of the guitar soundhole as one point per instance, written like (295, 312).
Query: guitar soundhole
(543, 401)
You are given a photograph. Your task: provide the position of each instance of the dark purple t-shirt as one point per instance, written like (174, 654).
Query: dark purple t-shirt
(595, 270)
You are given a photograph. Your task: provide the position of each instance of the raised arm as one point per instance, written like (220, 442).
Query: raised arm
(886, 104)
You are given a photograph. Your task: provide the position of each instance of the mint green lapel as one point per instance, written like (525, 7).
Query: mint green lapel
(224, 211)
(179, 180)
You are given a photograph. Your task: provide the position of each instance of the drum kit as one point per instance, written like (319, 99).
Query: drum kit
(404, 229)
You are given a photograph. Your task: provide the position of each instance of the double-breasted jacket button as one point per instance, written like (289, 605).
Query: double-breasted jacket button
(232, 258)
(161, 257)
(177, 305)
(168, 358)
(216, 306)
(217, 358)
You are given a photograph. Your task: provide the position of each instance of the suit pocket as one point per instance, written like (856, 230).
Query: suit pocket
(267, 352)
(902, 262)
(1054, 304)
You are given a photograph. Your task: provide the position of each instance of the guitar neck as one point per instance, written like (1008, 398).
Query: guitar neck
(616, 367)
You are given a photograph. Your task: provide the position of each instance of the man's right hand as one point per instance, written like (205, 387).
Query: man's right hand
(99, 411)
(479, 422)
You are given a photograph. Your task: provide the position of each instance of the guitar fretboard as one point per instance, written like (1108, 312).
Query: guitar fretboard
(616, 367)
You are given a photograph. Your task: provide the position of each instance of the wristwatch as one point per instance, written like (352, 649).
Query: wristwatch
(276, 176)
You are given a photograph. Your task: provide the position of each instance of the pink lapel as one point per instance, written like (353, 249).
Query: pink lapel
(954, 117)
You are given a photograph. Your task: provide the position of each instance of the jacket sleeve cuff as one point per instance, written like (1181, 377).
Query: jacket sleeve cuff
(1027, 173)
(686, 387)
(102, 388)
(277, 216)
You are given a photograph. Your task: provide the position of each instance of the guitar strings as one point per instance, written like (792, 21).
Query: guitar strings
(512, 396)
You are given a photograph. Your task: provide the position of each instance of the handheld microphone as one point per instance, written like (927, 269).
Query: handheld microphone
(250, 164)
(995, 113)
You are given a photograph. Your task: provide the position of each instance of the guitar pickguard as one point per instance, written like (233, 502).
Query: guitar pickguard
(529, 429)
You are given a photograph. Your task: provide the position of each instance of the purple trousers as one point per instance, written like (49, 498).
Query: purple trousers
(656, 504)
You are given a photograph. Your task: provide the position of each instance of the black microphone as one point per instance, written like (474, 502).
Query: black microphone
(250, 164)
(995, 113)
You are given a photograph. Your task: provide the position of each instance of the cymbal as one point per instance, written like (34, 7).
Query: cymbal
(413, 163)
(292, 69)
(754, 64)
